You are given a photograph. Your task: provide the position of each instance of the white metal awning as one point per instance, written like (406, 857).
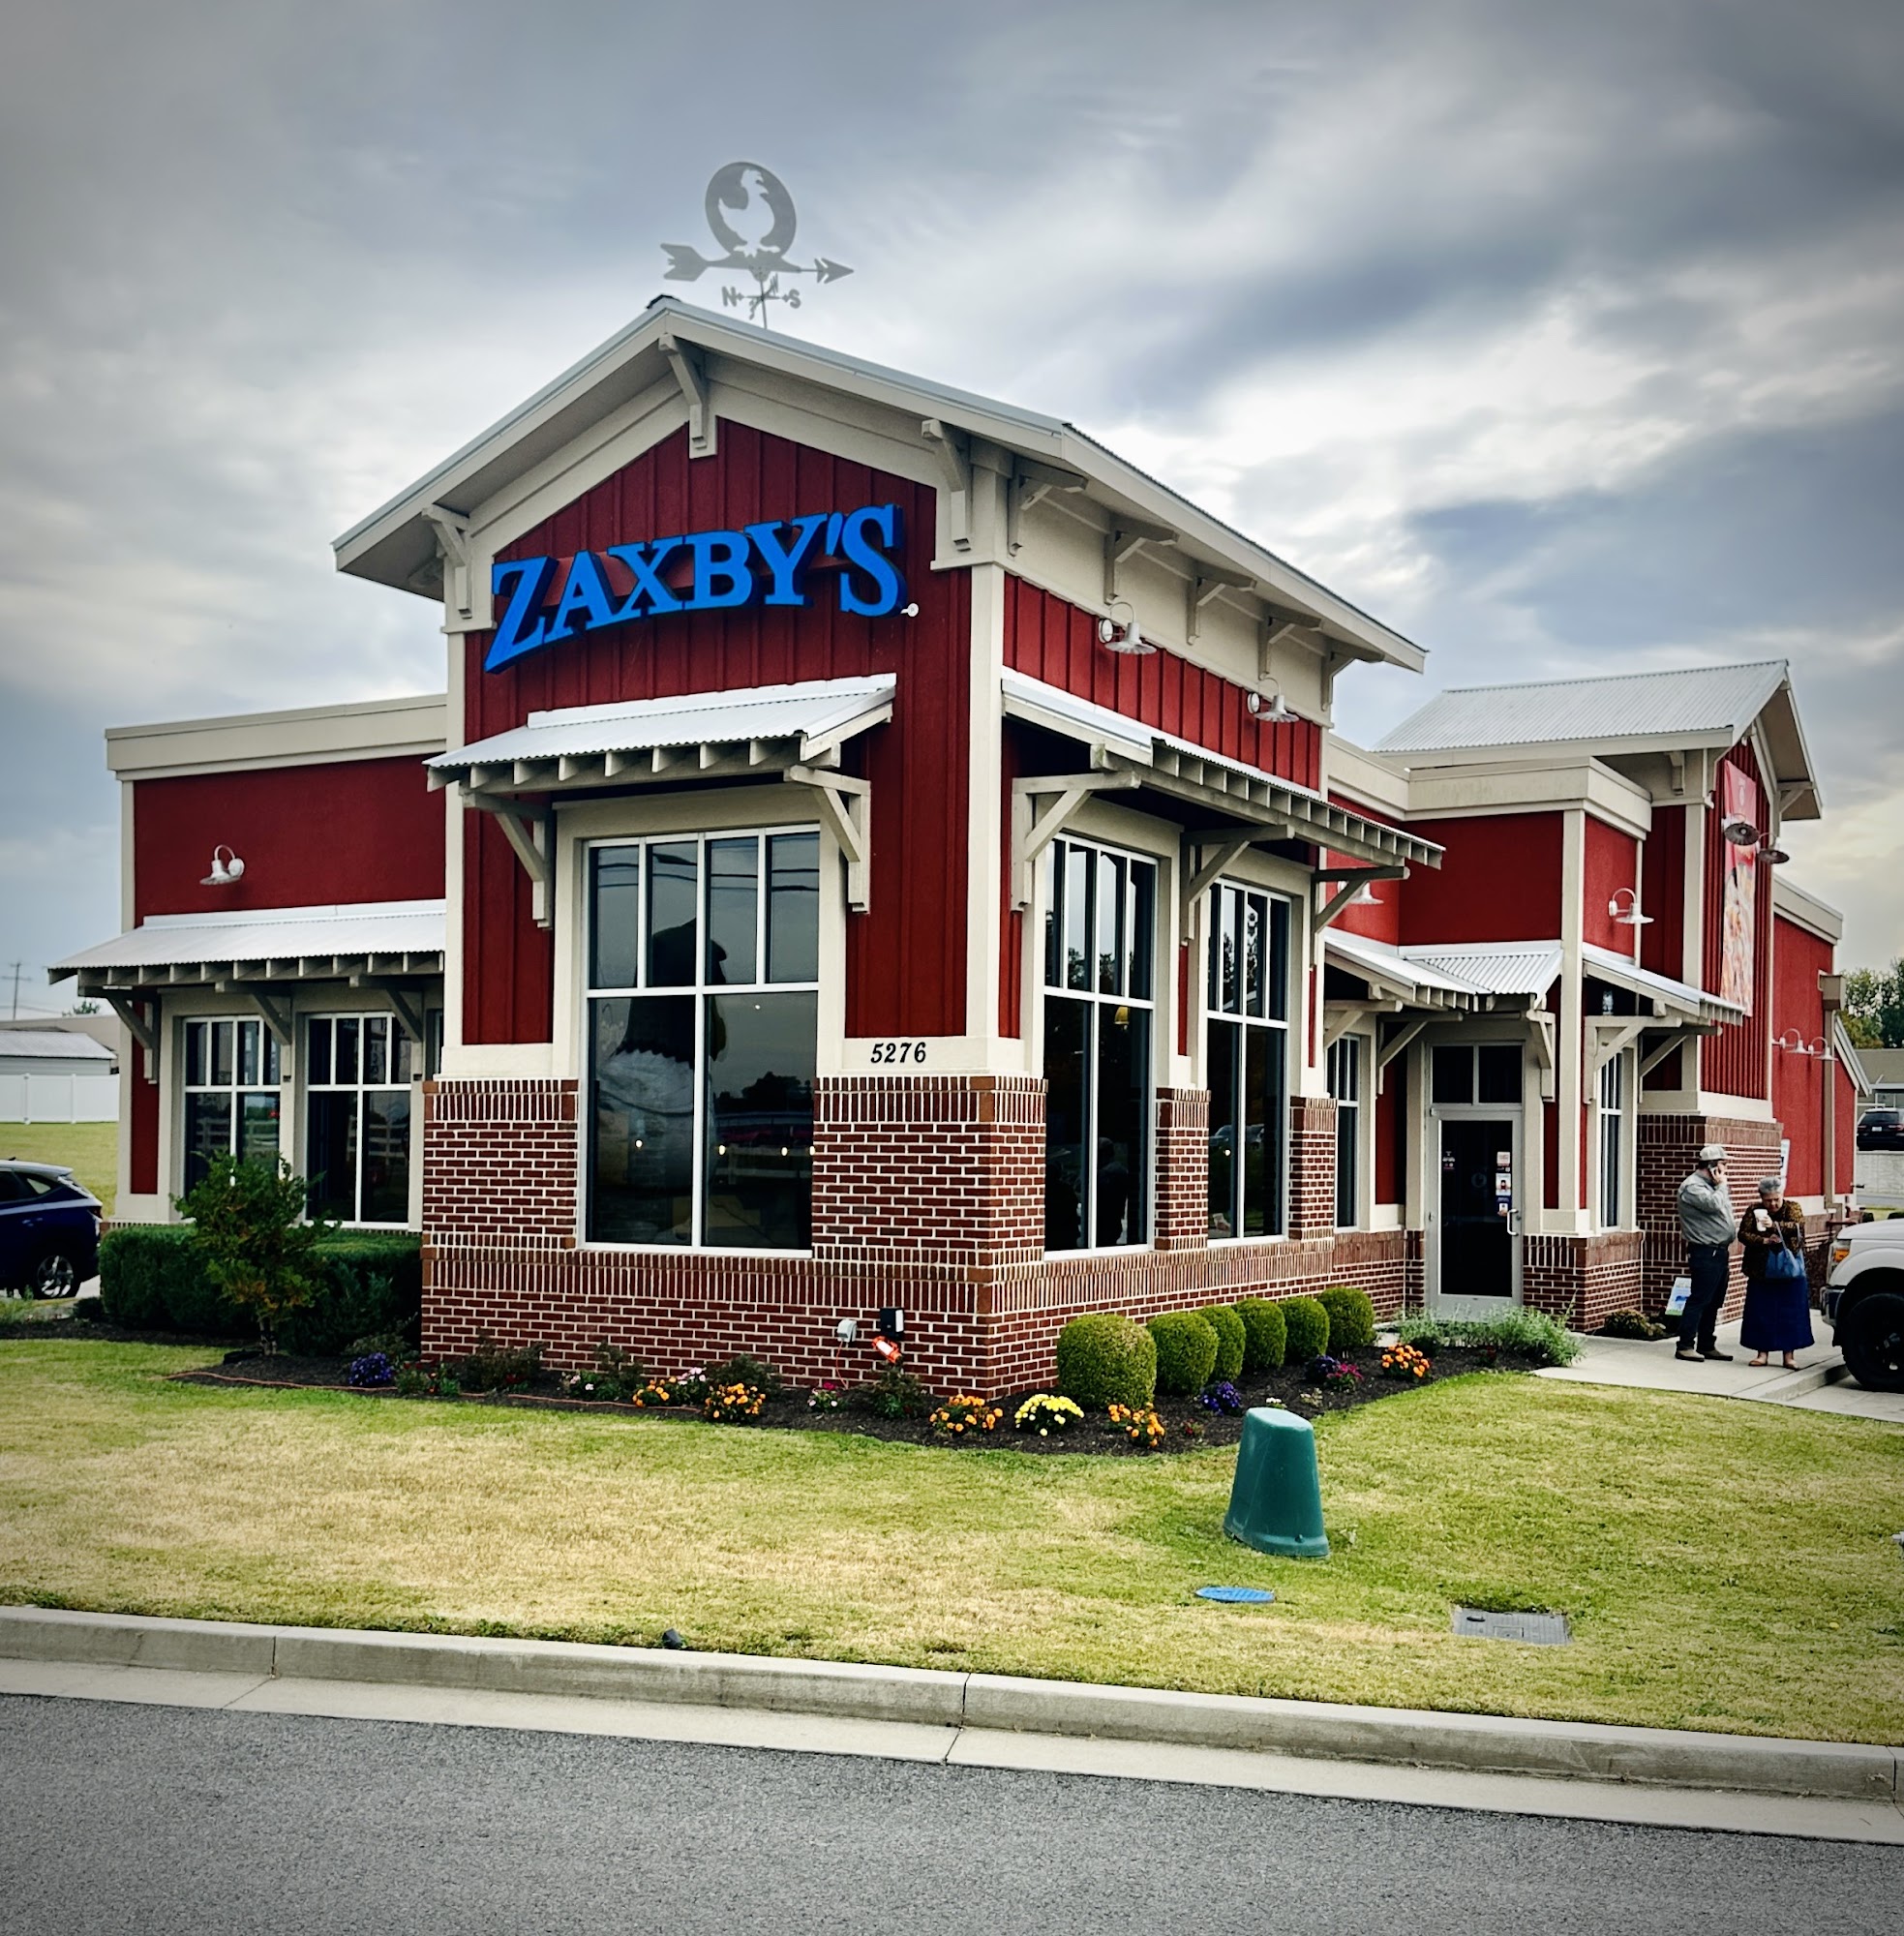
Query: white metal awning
(387, 948)
(1392, 975)
(1211, 782)
(298, 944)
(753, 731)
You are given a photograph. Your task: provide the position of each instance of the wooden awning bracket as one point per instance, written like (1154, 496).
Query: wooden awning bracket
(1033, 830)
(846, 805)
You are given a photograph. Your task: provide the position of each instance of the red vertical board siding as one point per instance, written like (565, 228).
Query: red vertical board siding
(1048, 638)
(1184, 966)
(1797, 1082)
(1611, 861)
(1391, 1132)
(1663, 893)
(1499, 881)
(309, 835)
(144, 1177)
(1733, 1062)
(1380, 920)
(905, 957)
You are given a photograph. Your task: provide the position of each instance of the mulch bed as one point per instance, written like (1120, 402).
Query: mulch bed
(790, 1410)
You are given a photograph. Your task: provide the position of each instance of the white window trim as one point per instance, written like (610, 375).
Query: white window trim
(1626, 1060)
(576, 847)
(303, 1089)
(1365, 1140)
(1294, 1027)
(1159, 1006)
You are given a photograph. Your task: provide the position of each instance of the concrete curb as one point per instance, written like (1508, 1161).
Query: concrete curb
(1477, 1744)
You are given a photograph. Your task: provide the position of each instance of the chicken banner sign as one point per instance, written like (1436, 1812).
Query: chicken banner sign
(541, 601)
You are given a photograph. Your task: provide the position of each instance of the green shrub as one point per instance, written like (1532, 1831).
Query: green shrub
(1105, 1359)
(1304, 1329)
(152, 1279)
(494, 1367)
(894, 1394)
(1232, 1340)
(1266, 1336)
(1351, 1318)
(1521, 1334)
(1186, 1351)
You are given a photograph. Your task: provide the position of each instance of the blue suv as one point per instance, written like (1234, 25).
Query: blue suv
(48, 1229)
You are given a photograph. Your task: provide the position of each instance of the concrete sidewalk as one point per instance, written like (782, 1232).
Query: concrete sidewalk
(1844, 1791)
(1819, 1383)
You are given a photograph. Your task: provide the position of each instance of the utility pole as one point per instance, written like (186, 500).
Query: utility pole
(17, 966)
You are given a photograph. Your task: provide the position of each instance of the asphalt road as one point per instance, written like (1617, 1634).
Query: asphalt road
(122, 1818)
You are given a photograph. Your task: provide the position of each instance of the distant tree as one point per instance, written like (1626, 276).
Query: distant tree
(83, 1008)
(1874, 1006)
(248, 1224)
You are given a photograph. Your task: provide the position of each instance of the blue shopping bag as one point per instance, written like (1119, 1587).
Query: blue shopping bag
(1782, 1267)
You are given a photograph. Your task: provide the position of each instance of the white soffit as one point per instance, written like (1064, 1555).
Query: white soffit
(761, 730)
(268, 944)
(1232, 786)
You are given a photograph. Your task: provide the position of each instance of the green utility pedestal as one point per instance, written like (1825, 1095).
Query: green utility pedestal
(1276, 1500)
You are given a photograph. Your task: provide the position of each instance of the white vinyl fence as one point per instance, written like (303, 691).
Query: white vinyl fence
(59, 1098)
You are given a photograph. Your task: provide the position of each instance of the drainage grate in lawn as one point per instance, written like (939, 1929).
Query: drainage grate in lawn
(1536, 1629)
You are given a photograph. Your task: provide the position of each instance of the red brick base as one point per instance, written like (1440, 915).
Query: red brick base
(1669, 1150)
(927, 1195)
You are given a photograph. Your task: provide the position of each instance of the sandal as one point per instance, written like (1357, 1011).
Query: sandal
(1761, 1361)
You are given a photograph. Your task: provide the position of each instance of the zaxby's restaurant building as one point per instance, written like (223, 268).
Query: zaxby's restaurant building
(879, 849)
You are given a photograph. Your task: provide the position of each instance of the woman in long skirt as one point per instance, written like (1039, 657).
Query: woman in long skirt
(1777, 1297)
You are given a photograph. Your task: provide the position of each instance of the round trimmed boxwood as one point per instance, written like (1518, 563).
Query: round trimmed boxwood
(1186, 1351)
(1105, 1359)
(1351, 1318)
(1304, 1329)
(1266, 1336)
(1232, 1340)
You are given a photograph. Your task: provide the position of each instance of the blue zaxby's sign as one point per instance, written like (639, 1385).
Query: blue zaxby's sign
(704, 571)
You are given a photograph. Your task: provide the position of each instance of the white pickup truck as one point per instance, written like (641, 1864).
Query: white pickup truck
(1864, 1301)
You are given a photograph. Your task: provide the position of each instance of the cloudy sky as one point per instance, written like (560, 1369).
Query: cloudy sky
(1564, 340)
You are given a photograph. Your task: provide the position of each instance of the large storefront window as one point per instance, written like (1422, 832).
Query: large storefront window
(357, 1100)
(703, 966)
(1248, 1048)
(1099, 939)
(232, 1082)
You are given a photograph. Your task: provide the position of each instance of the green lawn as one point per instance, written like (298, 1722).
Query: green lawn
(1726, 1565)
(91, 1150)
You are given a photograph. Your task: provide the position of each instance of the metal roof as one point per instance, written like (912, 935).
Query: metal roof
(55, 1045)
(1383, 963)
(268, 944)
(1699, 701)
(1607, 966)
(397, 544)
(1491, 968)
(1180, 766)
(755, 730)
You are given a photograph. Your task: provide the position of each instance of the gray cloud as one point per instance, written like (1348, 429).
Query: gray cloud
(1557, 337)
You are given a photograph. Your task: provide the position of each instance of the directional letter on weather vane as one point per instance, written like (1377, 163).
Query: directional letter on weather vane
(751, 216)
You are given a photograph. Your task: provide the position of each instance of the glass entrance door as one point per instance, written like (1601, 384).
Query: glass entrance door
(1476, 1250)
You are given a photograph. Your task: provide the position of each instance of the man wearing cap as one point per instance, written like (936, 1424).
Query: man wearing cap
(1709, 1229)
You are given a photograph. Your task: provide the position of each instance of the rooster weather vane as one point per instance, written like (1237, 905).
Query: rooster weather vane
(751, 217)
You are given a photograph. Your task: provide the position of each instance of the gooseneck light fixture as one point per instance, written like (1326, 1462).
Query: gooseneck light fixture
(226, 867)
(1117, 630)
(1739, 831)
(1630, 917)
(1275, 712)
